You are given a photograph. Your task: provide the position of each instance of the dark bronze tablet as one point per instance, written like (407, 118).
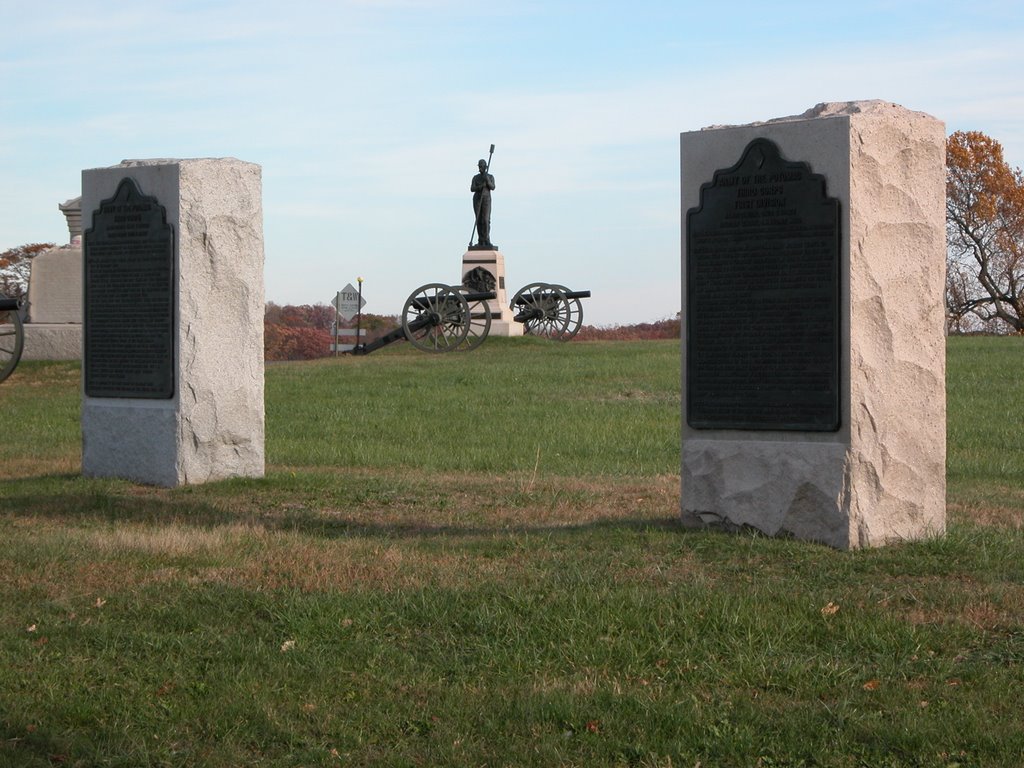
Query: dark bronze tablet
(129, 298)
(762, 298)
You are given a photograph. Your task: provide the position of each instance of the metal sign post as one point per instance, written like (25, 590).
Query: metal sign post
(337, 321)
(347, 304)
(359, 314)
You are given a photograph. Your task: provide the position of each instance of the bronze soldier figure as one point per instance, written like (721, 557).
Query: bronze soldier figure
(481, 187)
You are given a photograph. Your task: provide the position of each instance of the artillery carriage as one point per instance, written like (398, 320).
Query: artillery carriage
(443, 318)
(12, 336)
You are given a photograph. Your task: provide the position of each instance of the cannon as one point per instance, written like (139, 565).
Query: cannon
(444, 318)
(549, 310)
(439, 318)
(12, 336)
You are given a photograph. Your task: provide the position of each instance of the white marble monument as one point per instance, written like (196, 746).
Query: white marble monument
(53, 328)
(493, 262)
(174, 302)
(847, 445)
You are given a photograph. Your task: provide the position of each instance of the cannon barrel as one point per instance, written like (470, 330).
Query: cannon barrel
(432, 306)
(390, 338)
(526, 298)
(483, 296)
(9, 305)
(423, 303)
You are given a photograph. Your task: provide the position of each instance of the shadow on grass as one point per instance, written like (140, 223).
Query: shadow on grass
(29, 746)
(85, 501)
(339, 528)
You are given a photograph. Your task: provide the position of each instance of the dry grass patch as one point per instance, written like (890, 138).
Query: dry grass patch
(70, 582)
(988, 613)
(428, 532)
(25, 467)
(177, 540)
(316, 566)
(429, 503)
(989, 514)
(954, 600)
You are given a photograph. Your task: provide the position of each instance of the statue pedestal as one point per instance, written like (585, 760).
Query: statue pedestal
(502, 323)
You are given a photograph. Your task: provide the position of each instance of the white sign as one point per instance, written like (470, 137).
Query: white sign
(347, 302)
(348, 332)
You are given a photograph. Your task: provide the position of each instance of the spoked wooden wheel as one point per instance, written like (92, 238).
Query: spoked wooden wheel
(572, 309)
(12, 341)
(543, 309)
(479, 325)
(436, 318)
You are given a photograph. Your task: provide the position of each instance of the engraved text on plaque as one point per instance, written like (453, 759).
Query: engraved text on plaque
(129, 298)
(762, 289)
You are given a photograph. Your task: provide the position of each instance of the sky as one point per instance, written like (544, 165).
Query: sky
(368, 118)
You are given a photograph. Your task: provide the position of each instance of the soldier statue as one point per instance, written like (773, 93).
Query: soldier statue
(481, 187)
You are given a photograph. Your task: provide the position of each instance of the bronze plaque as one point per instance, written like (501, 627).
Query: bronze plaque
(762, 298)
(129, 298)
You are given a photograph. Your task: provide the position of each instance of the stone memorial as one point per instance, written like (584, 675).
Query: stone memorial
(493, 263)
(53, 328)
(172, 369)
(814, 351)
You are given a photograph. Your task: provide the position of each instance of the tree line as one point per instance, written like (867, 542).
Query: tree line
(984, 263)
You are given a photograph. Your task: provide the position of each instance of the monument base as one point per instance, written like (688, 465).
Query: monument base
(502, 322)
(52, 341)
(779, 488)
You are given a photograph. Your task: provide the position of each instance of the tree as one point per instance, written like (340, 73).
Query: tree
(985, 236)
(285, 342)
(305, 331)
(15, 264)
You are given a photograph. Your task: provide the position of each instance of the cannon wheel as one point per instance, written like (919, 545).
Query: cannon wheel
(479, 325)
(573, 310)
(12, 341)
(549, 308)
(436, 318)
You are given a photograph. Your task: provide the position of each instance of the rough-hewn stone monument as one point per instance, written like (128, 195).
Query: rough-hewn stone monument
(173, 321)
(814, 351)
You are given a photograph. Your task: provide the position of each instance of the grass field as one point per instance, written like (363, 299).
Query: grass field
(474, 560)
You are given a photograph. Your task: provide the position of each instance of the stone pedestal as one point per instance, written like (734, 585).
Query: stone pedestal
(176, 247)
(879, 477)
(52, 341)
(502, 323)
(53, 330)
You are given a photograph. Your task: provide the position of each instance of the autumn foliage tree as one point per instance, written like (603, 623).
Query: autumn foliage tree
(15, 264)
(985, 236)
(303, 332)
(669, 328)
(297, 332)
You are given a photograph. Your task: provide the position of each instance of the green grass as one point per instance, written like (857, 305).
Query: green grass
(984, 402)
(511, 405)
(474, 560)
